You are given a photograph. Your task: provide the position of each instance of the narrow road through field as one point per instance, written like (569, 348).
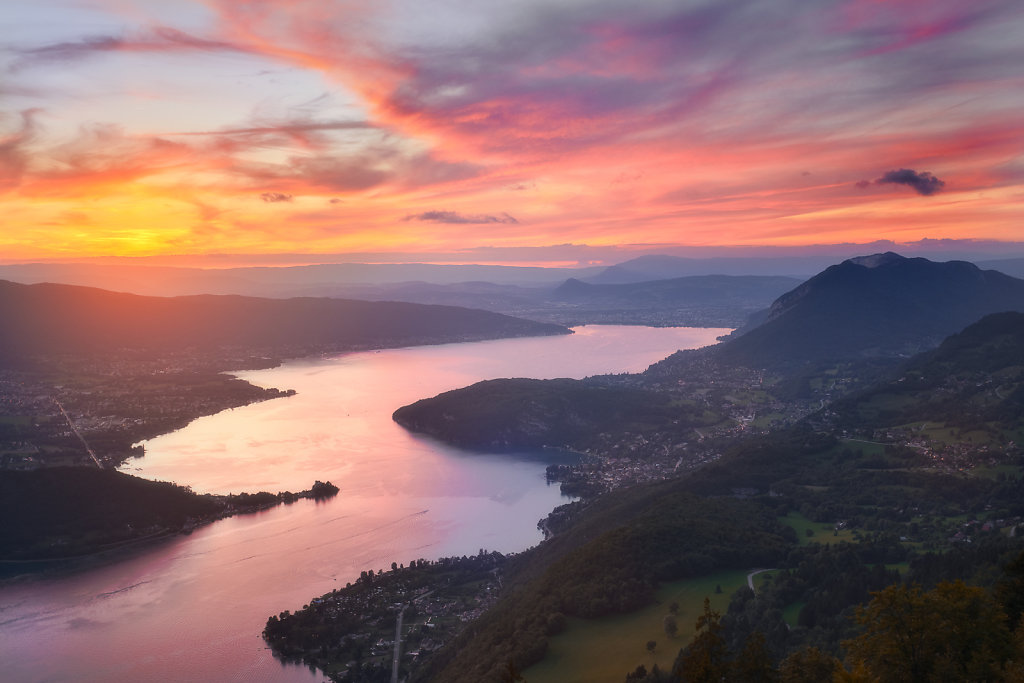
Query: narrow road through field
(81, 438)
(751, 575)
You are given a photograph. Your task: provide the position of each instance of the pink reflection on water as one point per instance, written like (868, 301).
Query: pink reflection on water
(192, 608)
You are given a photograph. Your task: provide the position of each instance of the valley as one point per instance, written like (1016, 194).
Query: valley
(866, 462)
(550, 341)
(886, 467)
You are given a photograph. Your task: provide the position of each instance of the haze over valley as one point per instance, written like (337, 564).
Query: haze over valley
(546, 341)
(89, 373)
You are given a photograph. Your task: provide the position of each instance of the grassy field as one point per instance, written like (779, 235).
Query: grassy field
(765, 420)
(864, 446)
(822, 532)
(791, 614)
(605, 650)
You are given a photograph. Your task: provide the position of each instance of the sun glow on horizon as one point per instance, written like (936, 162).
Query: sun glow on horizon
(214, 128)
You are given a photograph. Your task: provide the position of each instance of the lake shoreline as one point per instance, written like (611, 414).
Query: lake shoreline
(226, 506)
(404, 498)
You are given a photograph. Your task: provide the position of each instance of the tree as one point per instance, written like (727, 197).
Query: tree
(511, 673)
(1013, 671)
(671, 626)
(954, 632)
(638, 674)
(706, 659)
(809, 665)
(555, 624)
(754, 664)
(1010, 591)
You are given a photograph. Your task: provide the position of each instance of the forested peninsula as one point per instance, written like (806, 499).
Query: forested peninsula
(67, 513)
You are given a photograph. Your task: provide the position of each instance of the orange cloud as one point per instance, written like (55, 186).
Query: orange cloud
(729, 123)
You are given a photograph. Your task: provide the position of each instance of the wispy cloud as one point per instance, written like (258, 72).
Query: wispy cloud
(14, 155)
(560, 76)
(658, 122)
(453, 217)
(158, 39)
(306, 158)
(308, 134)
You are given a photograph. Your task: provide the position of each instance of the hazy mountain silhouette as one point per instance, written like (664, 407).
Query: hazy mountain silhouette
(47, 318)
(699, 290)
(665, 267)
(879, 305)
(279, 282)
(1011, 266)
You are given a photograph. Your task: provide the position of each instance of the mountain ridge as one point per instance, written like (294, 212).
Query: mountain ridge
(743, 290)
(878, 305)
(50, 318)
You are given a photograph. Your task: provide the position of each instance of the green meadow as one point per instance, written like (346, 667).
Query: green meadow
(605, 650)
(821, 532)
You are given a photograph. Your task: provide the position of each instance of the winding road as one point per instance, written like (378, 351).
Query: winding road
(751, 575)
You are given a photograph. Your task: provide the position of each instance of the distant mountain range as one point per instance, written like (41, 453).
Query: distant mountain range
(880, 305)
(1010, 266)
(380, 280)
(663, 267)
(281, 282)
(700, 301)
(750, 292)
(45, 318)
(898, 305)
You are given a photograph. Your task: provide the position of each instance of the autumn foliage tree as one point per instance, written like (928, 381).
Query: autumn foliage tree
(707, 657)
(808, 665)
(955, 632)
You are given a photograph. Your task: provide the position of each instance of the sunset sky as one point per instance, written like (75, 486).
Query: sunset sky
(494, 131)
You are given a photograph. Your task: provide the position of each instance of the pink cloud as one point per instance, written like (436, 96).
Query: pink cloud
(687, 121)
(14, 155)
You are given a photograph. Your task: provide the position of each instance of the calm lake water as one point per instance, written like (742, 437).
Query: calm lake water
(192, 608)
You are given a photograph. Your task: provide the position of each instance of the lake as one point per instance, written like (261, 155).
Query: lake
(192, 608)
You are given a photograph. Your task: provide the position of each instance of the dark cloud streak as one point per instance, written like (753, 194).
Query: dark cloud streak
(924, 183)
(453, 217)
(287, 128)
(160, 39)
